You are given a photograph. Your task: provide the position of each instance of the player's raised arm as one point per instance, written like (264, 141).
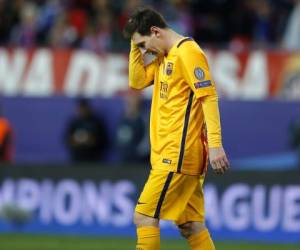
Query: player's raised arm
(197, 75)
(140, 76)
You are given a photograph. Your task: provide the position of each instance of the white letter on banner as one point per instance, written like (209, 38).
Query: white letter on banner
(39, 80)
(255, 82)
(67, 202)
(291, 212)
(266, 211)
(123, 203)
(225, 71)
(117, 78)
(28, 194)
(236, 211)
(85, 74)
(46, 207)
(11, 71)
(212, 208)
(89, 201)
(7, 192)
(97, 202)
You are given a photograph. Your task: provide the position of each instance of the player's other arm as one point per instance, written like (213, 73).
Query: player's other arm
(140, 76)
(217, 156)
(197, 75)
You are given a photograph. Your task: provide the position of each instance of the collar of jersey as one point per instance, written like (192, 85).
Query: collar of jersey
(174, 47)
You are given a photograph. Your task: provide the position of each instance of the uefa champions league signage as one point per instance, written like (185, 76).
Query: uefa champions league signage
(83, 206)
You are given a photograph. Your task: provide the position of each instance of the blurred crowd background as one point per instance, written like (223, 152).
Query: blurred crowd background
(97, 24)
(252, 48)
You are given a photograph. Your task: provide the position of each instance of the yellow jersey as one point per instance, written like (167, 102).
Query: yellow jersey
(184, 97)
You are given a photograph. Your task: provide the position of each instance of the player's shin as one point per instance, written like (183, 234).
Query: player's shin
(148, 238)
(201, 241)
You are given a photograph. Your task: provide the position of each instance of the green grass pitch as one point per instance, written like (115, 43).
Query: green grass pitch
(35, 242)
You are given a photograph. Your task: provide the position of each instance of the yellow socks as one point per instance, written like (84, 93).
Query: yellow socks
(201, 241)
(148, 238)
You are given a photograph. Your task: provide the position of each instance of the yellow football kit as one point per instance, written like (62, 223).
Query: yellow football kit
(184, 113)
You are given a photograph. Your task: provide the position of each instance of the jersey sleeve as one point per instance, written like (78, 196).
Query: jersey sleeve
(140, 76)
(212, 119)
(196, 70)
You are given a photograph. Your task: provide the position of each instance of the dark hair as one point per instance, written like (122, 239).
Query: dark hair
(142, 20)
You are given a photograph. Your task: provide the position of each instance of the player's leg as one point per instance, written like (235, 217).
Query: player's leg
(197, 235)
(146, 216)
(148, 235)
(165, 196)
(191, 222)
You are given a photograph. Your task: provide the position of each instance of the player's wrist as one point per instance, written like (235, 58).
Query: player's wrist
(215, 145)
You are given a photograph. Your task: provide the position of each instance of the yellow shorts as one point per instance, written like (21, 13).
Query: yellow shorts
(172, 196)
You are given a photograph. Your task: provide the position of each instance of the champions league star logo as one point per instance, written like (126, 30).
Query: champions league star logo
(199, 73)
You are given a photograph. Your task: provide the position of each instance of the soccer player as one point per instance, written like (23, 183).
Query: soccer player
(184, 113)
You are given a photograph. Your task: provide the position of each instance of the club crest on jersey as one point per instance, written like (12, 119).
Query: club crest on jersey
(199, 73)
(169, 68)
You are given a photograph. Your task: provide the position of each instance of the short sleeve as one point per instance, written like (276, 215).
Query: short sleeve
(196, 70)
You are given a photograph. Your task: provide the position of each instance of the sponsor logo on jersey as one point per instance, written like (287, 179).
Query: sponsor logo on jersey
(202, 84)
(169, 69)
(199, 73)
(164, 90)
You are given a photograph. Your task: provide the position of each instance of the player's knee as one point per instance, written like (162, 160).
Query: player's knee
(190, 228)
(143, 220)
(186, 229)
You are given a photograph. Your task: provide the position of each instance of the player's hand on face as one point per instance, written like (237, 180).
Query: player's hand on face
(218, 160)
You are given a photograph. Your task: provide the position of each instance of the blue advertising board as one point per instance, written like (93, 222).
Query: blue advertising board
(252, 206)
